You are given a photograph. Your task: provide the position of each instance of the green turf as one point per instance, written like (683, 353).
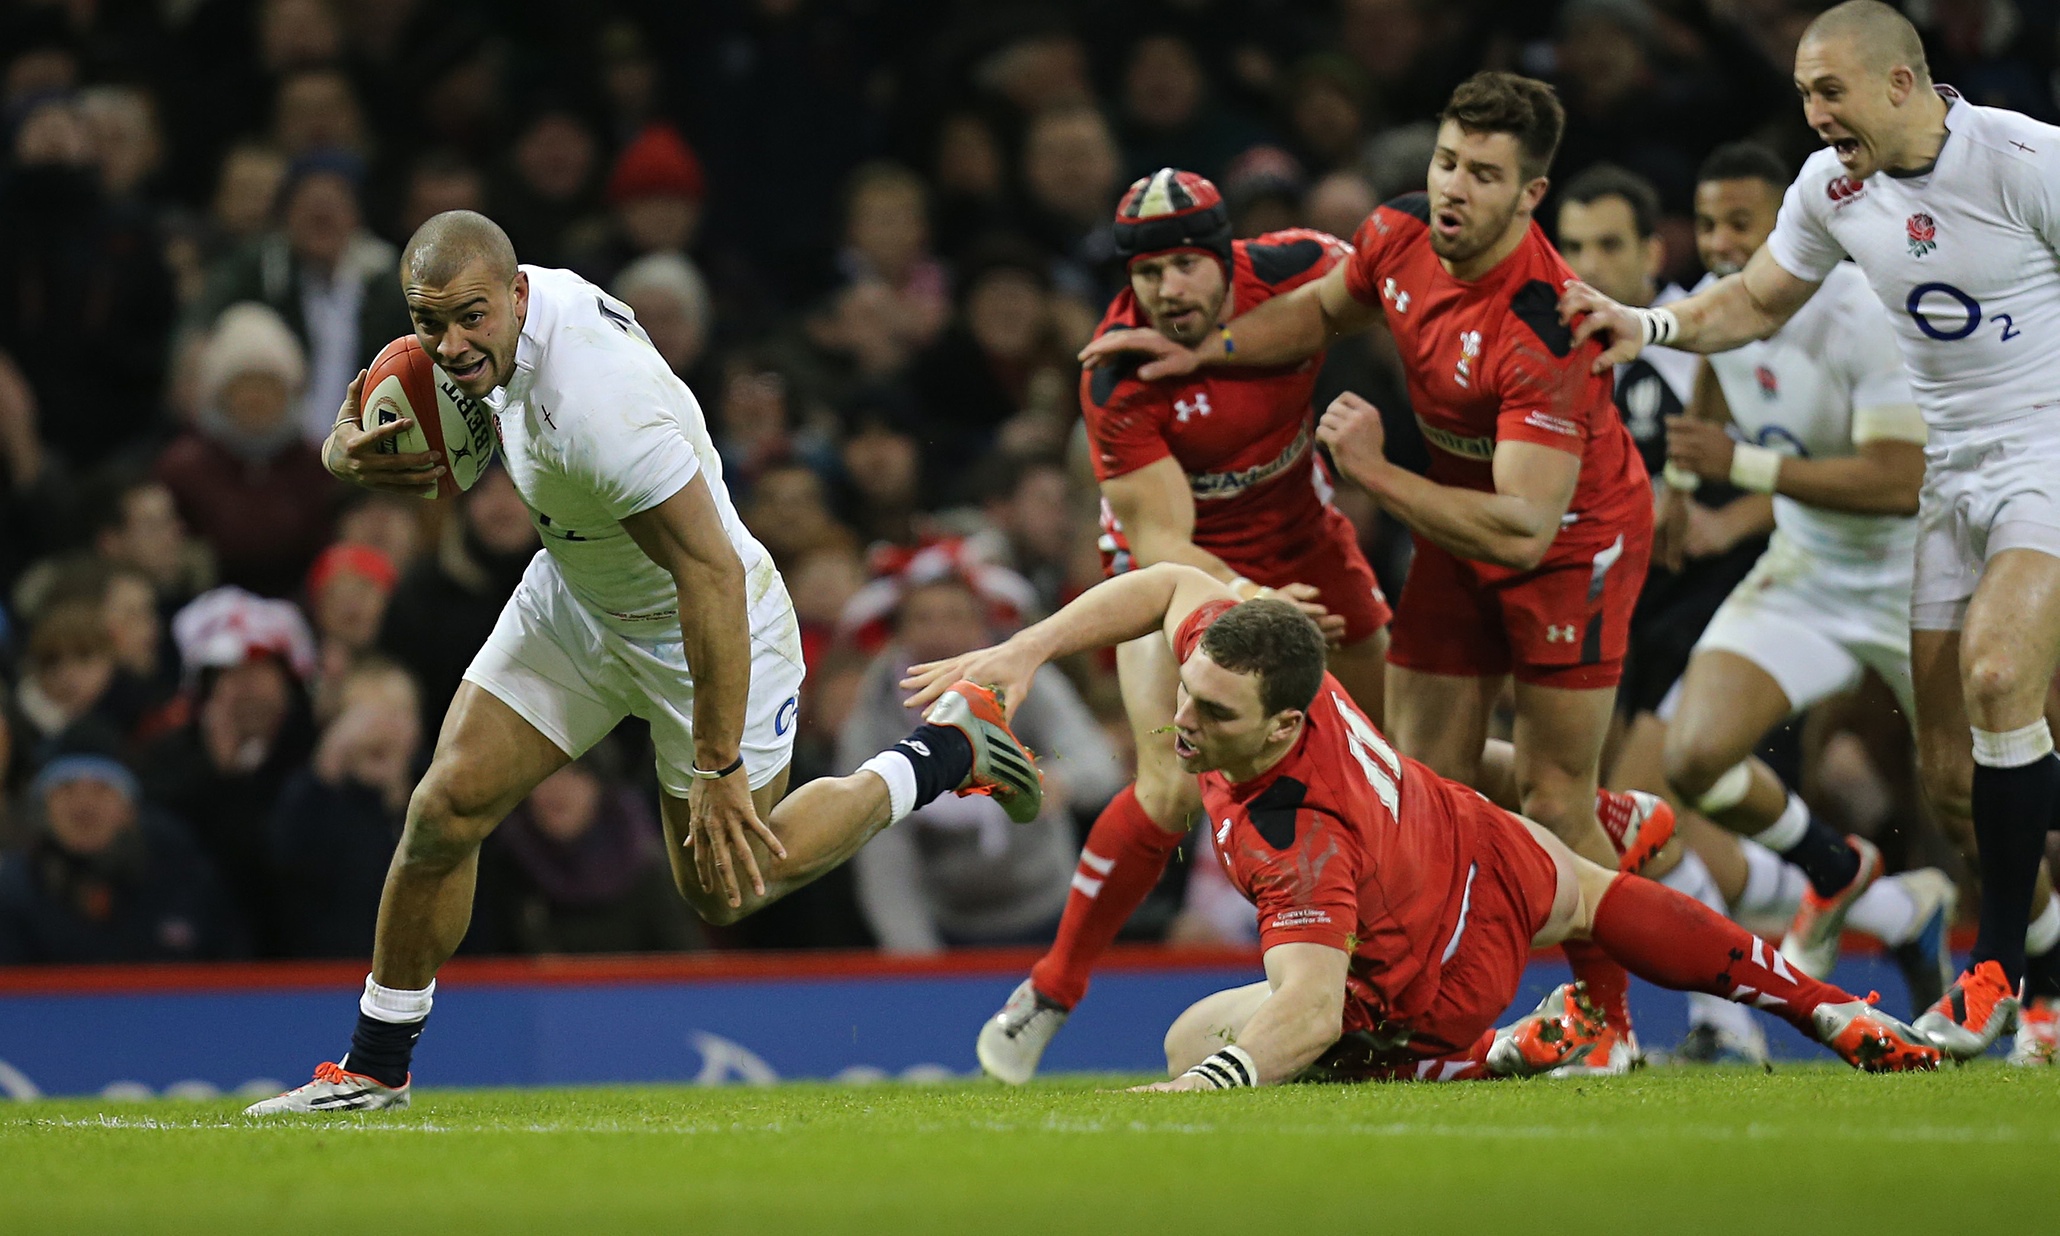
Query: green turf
(1815, 1150)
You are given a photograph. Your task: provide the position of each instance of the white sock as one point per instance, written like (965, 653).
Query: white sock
(1790, 827)
(397, 1005)
(1691, 877)
(2013, 748)
(2044, 932)
(895, 769)
(1888, 912)
(1773, 886)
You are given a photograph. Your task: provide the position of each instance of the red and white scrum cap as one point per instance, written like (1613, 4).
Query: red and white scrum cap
(1169, 210)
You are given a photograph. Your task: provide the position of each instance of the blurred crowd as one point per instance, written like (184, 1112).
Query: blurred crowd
(870, 234)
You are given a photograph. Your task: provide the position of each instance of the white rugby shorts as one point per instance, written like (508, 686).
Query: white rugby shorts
(575, 679)
(1815, 626)
(1986, 489)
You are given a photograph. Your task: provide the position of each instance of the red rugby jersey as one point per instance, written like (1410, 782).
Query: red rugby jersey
(1489, 362)
(1349, 844)
(1244, 436)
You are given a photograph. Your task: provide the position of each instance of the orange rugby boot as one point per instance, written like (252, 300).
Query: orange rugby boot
(1564, 1029)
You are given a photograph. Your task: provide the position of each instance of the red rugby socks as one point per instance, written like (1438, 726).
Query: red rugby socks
(1124, 856)
(1609, 988)
(1676, 941)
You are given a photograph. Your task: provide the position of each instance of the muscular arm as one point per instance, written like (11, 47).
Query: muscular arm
(685, 536)
(1281, 331)
(1737, 309)
(1303, 1015)
(1157, 510)
(1511, 527)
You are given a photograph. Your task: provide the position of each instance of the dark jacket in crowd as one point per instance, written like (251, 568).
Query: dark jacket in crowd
(152, 897)
(443, 610)
(266, 520)
(331, 845)
(610, 891)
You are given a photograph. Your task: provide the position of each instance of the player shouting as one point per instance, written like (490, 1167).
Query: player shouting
(1952, 212)
(1533, 528)
(1397, 909)
(1218, 471)
(649, 598)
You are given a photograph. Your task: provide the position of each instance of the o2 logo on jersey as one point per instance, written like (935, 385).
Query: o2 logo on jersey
(1938, 322)
(1923, 233)
(1198, 406)
(1469, 352)
(783, 720)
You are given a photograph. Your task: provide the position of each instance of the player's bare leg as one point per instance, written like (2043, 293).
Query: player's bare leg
(1362, 669)
(1210, 1024)
(1441, 719)
(1675, 941)
(2007, 651)
(1125, 854)
(488, 759)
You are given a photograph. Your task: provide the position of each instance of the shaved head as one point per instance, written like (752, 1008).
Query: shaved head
(1880, 37)
(444, 246)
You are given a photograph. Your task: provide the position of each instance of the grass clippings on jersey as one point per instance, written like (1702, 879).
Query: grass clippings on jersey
(1811, 1149)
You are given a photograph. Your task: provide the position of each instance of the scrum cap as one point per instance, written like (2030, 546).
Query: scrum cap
(1171, 210)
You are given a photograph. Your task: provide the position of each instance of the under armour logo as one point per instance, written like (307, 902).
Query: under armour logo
(1559, 634)
(1198, 406)
(1390, 292)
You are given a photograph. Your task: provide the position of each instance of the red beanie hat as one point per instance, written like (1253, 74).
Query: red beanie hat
(659, 163)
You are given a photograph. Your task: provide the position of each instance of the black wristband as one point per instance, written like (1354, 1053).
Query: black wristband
(704, 775)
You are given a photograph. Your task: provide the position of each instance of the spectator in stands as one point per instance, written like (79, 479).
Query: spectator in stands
(655, 192)
(1169, 116)
(822, 582)
(547, 190)
(245, 479)
(887, 240)
(37, 504)
(671, 302)
(248, 729)
(1072, 169)
(1263, 188)
(61, 701)
(348, 588)
(580, 867)
(323, 274)
(957, 872)
(1031, 515)
(136, 524)
(316, 110)
(1326, 112)
(884, 493)
(389, 523)
(447, 602)
(789, 513)
(107, 878)
(338, 818)
(439, 181)
(146, 671)
(85, 297)
(1339, 203)
(970, 176)
(1000, 374)
(245, 195)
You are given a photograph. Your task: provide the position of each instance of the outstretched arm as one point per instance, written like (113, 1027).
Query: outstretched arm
(1297, 1022)
(1114, 611)
(1737, 309)
(1281, 331)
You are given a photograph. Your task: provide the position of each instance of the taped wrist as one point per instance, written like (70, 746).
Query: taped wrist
(1227, 1069)
(1661, 326)
(1755, 468)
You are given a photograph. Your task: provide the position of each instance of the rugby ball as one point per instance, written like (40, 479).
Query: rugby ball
(404, 383)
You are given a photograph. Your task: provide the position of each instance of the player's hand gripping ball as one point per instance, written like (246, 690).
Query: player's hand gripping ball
(404, 387)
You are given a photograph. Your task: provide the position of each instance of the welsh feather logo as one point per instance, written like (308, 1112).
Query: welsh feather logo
(1923, 230)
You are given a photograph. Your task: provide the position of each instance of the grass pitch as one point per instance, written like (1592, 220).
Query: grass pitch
(1807, 1149)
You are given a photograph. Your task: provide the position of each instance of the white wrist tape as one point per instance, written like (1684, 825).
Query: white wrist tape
(1661, 326)
(1679, 478)
(1227, 1069)
(1754, 468)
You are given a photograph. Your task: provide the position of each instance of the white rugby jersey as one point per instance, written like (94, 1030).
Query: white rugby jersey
(1962, 257)
(1798, 390)
(595, 428)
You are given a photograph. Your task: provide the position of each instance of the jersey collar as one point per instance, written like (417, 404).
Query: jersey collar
(1953, 104)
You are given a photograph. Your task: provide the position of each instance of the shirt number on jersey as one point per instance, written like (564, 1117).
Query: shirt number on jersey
(1376, 758)
(1950, 332)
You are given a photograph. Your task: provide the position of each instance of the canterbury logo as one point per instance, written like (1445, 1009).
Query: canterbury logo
(1559, 634)
(1466, 448)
